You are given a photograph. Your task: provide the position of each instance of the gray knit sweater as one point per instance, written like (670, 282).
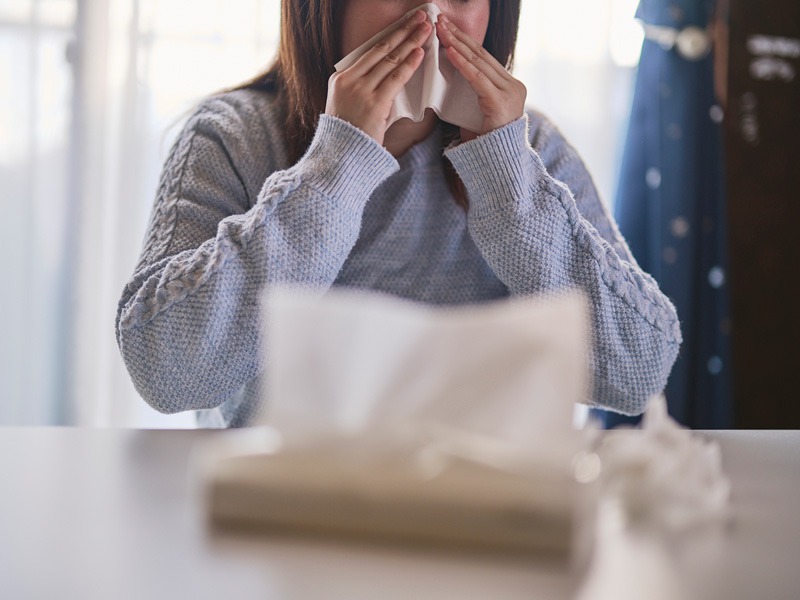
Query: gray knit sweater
(232, 216)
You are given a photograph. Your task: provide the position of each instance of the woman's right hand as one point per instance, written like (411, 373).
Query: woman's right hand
(363, 93)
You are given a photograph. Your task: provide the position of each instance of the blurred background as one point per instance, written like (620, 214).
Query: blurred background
(92, 94)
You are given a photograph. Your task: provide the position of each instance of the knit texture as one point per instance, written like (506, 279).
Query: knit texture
(232, 216)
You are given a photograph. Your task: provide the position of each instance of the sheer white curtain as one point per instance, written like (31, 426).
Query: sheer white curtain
(92, 94)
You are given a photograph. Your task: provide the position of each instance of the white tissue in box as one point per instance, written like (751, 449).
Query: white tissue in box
(352, 361)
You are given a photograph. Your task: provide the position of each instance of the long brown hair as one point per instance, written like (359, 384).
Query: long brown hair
(309, 48)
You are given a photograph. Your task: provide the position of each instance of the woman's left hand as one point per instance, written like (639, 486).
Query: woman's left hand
(501, 97)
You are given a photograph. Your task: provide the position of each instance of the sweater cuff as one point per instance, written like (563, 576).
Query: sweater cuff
(495, 167)
(344, 162)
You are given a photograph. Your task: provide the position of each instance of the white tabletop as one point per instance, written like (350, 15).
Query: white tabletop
(113, 514)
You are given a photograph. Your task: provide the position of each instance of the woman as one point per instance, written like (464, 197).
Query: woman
(293, 178)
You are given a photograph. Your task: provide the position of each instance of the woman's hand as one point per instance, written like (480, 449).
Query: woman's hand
(500, 96)
(363, 93)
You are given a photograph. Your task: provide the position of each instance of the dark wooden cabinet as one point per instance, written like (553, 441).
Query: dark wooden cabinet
(762, 143)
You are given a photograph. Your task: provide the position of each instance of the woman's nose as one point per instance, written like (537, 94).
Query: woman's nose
(442, 6)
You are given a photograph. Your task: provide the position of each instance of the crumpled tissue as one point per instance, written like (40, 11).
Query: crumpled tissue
(664, 475)
(436, 84)
(395, 420)
(661, 488)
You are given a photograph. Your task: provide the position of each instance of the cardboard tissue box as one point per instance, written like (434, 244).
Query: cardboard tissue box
(390, 420)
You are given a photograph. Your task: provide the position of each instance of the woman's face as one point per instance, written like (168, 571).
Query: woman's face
(365, 18)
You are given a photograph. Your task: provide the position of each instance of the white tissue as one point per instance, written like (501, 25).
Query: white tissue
(660, 487)
(663, 475)
(436, 84)
(353, 363)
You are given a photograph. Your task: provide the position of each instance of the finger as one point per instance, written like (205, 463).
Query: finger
(484, 87)
(477, 55)
(387, 45)
(459, 37)
(391, 61)
(396, 79)
(464, 47)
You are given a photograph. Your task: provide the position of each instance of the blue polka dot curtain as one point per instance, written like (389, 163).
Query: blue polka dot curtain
(670, 201)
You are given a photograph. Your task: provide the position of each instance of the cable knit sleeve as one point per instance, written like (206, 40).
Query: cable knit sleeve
(542, 229)
(188, 321)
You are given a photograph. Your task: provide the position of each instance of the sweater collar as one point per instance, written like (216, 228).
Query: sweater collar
(424, 152)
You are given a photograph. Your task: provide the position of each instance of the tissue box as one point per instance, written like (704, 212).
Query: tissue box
(408, 423)
(487, 496)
